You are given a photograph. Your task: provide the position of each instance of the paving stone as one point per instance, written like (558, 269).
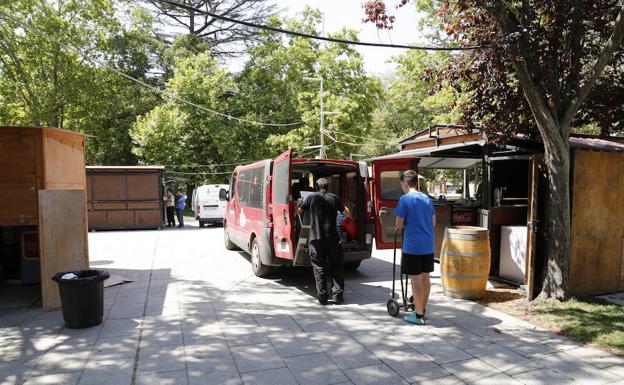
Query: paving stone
(448, 380)
(497, 379)
(15, 371)
(503, 359)
(212, 370)
(281, 376)
(62, 359)
(349, 354)
(120, 347)
(178, 377)
(278, 324)
(596, 357)
(375, 375)
(244, 335)
(315, 369)
(256, 357)
(54, 379)
(470, 370)
(126, 311)
(293, 344)
(161, 359)
(542, 376)
(162, 336)
(618, 370)
(120, 327)
(205, 347)
(441, 352)
(107, 372)
(412, 365)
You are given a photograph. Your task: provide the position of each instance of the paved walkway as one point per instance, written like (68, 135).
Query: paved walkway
(196, 315)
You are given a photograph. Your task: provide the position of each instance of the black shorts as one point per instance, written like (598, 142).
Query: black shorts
(414, 264)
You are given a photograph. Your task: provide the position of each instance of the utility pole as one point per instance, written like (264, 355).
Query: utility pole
(322, 153)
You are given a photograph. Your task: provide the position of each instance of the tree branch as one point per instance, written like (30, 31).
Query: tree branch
(520, 55)
(605, 56)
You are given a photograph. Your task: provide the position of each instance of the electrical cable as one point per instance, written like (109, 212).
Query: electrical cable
(154, 88)
(309, 36)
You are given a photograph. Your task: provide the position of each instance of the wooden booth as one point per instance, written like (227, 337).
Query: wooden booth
(510, 200)
(128, 197)
(43, 223)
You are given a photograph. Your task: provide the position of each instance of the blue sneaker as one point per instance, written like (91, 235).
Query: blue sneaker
(411, 318)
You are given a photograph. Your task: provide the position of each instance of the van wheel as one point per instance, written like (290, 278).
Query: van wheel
(201, 223)
(226, 240)
(352, 266)
(258, 268)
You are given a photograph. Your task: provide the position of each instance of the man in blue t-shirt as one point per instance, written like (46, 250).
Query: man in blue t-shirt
(415, 214)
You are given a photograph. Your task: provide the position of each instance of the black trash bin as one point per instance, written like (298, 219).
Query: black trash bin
(82, 298)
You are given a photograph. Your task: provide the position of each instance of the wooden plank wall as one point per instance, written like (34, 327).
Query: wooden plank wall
(64, 160)
(597, 250)
(21, 175)
(62, 238)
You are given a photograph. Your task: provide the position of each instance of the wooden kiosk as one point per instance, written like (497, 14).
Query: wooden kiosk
(44, 203)
(125, 197)
(511, 201)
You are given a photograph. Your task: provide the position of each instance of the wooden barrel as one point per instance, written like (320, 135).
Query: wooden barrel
(465, 261)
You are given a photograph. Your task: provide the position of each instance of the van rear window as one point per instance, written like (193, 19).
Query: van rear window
(391, 185)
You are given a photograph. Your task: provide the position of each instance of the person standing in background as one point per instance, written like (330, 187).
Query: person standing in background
(180, 205)
(415, 214)
(169, 199)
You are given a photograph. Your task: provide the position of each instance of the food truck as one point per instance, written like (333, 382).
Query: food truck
(510, 201)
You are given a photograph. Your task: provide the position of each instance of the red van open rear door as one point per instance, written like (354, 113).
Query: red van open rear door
(282, 207)
(386, 192)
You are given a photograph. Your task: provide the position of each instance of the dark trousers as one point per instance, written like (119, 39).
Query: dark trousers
(326, 260)
(171, 215)
(180, 214)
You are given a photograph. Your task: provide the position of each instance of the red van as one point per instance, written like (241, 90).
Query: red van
(260, 214)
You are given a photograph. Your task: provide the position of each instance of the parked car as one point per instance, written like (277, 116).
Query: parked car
(260, 215)
(207, 206)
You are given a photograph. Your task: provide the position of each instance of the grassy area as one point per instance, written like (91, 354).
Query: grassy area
(589, 320)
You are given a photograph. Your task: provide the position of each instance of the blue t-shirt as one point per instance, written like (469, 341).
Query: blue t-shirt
(416, 209)
(181, 202)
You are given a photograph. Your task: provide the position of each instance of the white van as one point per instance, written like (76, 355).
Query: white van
(206, 204)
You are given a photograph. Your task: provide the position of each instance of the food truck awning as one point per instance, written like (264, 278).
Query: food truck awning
(432, 157)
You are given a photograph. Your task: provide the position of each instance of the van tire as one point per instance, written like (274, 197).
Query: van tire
(259, 269)
(226, 240)
(201, 223)
(352, 266)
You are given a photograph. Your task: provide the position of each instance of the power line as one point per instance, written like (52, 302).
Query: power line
(309, 36)
(154, 88)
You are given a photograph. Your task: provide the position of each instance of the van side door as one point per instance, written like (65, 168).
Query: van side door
(282, 207)
(386, 193)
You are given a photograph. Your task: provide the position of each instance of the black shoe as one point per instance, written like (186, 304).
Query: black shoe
(322, 298)
(338, 299)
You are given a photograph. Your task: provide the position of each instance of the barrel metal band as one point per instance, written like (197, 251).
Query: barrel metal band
(462, 237)
(467, 276)
(467, 255)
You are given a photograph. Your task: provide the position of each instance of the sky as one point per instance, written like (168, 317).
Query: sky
(349, 13)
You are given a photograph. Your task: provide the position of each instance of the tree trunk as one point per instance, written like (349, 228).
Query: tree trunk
(557, 218)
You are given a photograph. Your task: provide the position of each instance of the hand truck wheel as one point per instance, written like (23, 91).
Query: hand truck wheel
(393, 307)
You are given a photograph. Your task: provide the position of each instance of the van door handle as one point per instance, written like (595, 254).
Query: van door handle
(285, 217)
(383, 211)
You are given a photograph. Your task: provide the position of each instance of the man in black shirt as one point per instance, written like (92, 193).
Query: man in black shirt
(324, 246)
